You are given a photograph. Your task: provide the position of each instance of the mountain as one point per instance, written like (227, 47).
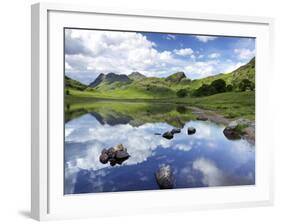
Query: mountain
(176, 77)
(136, 85)
(136, 76)
(108, 79)
(74, 84)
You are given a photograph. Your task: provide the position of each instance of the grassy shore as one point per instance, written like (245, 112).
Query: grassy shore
(231, 104)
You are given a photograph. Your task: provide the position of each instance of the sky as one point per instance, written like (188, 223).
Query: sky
(91, 52)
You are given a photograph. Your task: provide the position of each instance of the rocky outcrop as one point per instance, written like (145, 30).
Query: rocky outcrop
(240, 128)
(164, 177)
(114, 155)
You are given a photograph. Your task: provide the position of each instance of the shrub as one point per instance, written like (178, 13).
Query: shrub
(182, 93)
(246, 84)
(219, 85)
(229, 88)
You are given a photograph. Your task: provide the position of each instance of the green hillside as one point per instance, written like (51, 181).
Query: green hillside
(246, 71)
(138, 86)
(73, 84)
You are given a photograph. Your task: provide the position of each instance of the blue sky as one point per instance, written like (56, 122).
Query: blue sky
(91, 52)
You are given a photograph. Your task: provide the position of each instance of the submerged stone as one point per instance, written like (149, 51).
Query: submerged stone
(164, 177)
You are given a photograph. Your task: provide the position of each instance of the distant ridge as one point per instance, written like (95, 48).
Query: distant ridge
(109, 78)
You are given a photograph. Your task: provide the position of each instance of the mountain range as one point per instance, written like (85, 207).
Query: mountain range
(139, 86)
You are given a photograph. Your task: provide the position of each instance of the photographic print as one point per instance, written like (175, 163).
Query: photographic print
(151, 111)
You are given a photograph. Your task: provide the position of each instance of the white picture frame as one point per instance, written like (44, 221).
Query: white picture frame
(47, 199)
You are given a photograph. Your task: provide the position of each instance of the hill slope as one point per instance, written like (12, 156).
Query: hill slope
(139, 86)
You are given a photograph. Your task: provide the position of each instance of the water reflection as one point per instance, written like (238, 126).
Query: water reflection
(206, 158)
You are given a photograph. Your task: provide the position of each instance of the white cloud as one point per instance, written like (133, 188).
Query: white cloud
(200, 69)
(171, 37)
(97, 52)
(67, 66)
(205, 39)
(233, 67)
(245, 53)
(214, 55)
(212, 176)
(90, 52)
(183, 51)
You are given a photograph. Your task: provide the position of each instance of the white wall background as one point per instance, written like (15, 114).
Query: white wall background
(15, 110)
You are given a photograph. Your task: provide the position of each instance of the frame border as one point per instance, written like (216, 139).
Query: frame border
(40, 90)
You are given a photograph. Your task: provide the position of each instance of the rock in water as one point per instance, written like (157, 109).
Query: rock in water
(119, 147)
(176, 130)
(238, 128)
(114, 155)
(104, 158)
(191, 130)
(231, 134)
(121, 155)
(168, 135)
(164, 177)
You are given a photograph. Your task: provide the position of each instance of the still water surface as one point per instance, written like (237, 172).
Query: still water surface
(204, 159)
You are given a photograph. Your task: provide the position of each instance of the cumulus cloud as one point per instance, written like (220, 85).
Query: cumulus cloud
(212, 175)
(183, 51)
(119, 52)
(90, 52)
(245, 53)
(214, 55)
(205, 39)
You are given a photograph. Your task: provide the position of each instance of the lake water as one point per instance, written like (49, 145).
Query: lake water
(204, 159)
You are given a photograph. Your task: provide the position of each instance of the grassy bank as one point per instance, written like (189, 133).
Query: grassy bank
(231, 104)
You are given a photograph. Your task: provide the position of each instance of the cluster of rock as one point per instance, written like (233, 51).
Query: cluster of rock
(240, 128)
(164, 177)
(114, 155)
(170, 134)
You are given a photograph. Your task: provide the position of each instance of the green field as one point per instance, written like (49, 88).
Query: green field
(231, 94)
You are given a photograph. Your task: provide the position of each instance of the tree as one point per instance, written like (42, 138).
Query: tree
(67, 92)
(182, 93)
(229, 88)
(246, 84)
(219, 85)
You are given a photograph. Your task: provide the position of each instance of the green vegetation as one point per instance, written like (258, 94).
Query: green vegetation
(230, 104)
(231, 94)
(134, 113)
(182, 93)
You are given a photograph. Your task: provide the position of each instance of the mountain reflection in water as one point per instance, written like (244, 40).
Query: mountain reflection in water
(204, 159)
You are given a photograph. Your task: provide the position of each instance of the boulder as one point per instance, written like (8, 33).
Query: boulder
(104, 158)
(191, 130)
(122, 155)
(231, 133)
(176, 130)
(119, 147)
(236, 129)
(164, 177)
(168, 135)
(114, 155)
